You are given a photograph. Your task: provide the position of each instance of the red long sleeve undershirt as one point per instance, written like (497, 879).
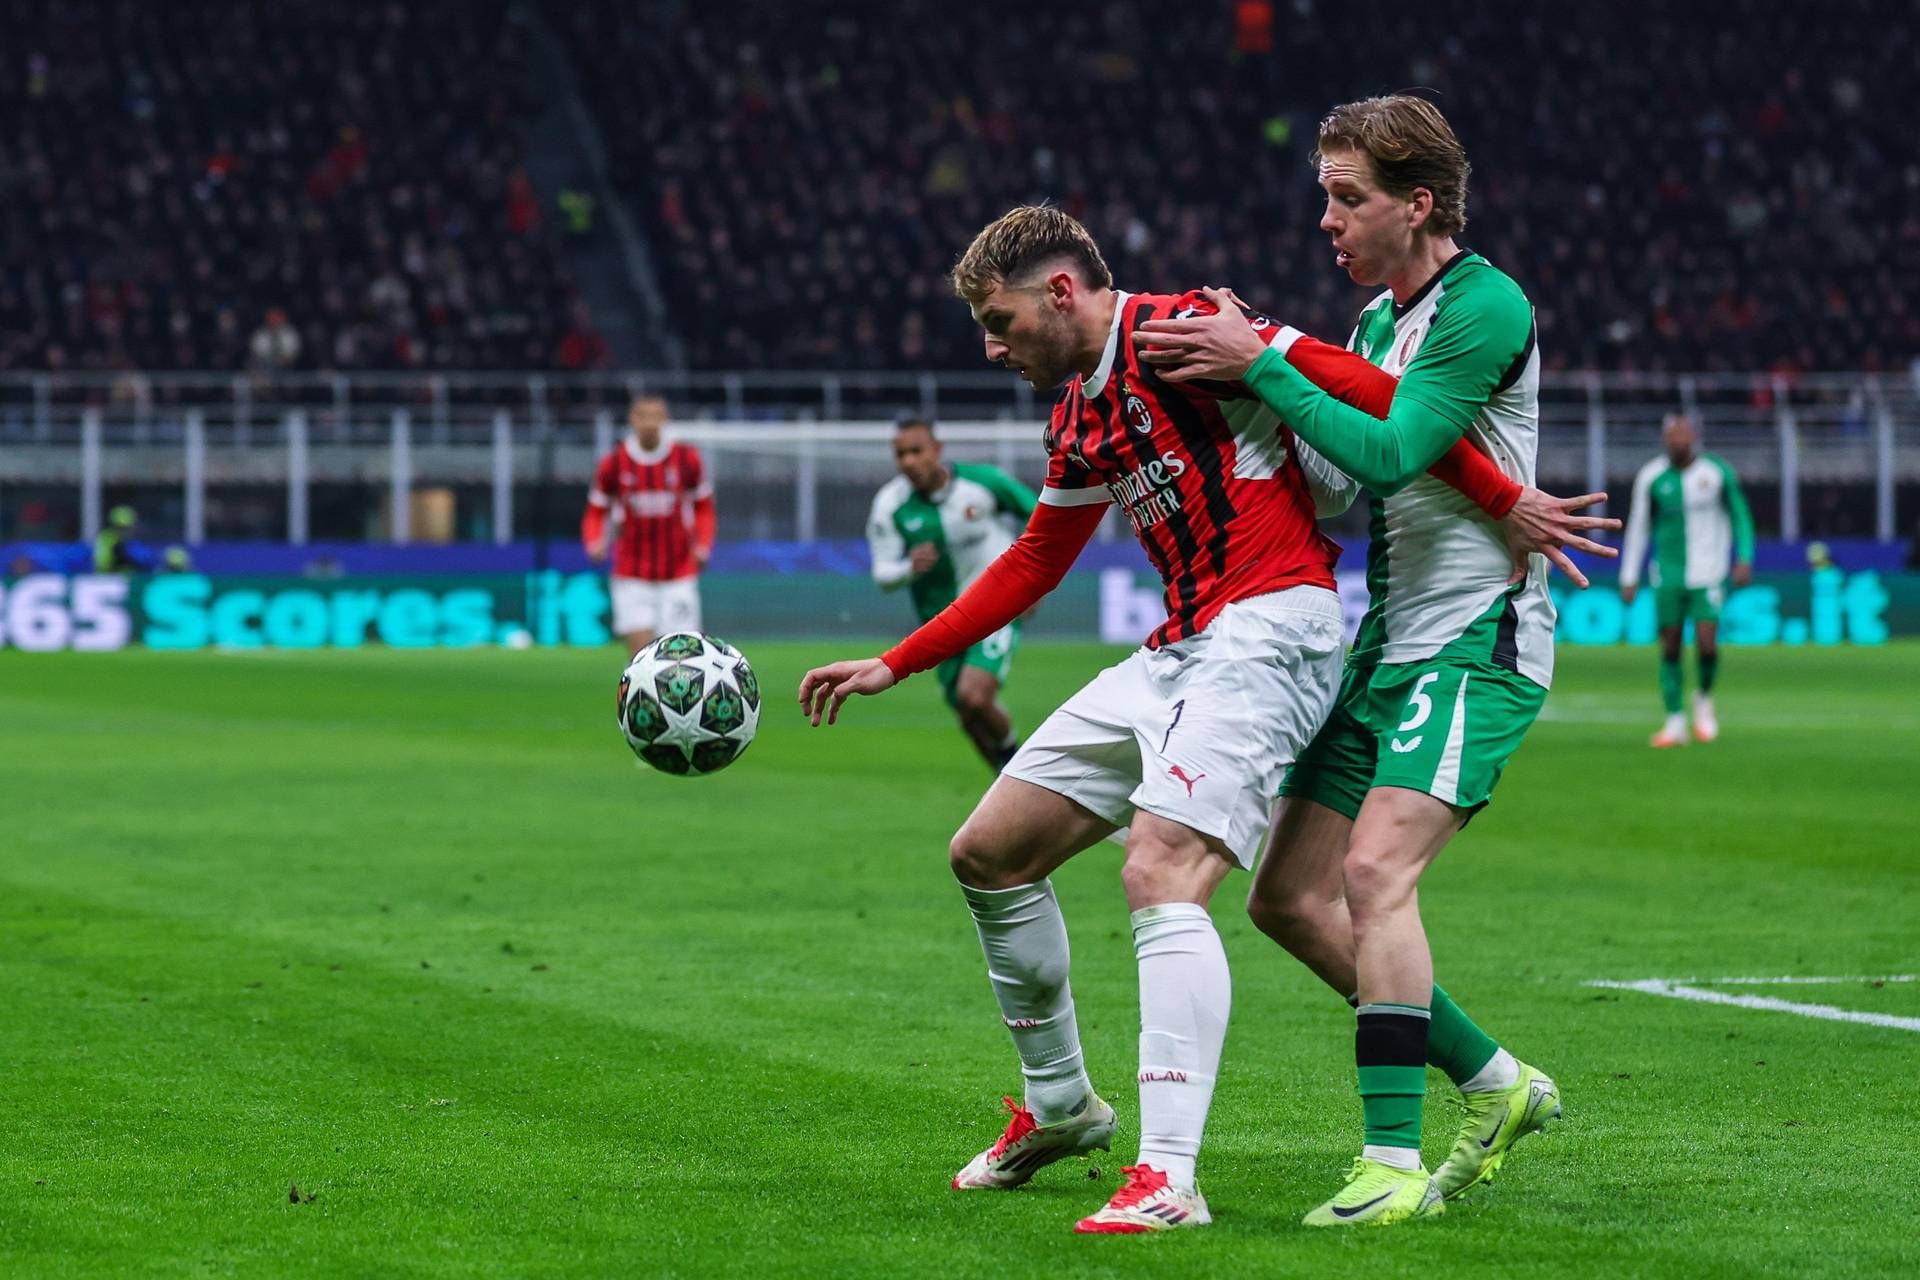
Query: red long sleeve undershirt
(706, 521)
(1054, 537)
(1369, 388)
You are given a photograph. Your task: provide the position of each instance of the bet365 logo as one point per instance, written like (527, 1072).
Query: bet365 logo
(44, 612)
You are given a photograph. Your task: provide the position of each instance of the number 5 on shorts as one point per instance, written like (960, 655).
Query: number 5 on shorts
(1419, 710)
(1419, 705)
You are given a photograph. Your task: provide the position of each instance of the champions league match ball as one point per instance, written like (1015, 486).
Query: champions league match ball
(689, 704)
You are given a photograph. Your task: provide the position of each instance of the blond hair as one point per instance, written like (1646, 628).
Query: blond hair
(1411, 146)
(1022, 239)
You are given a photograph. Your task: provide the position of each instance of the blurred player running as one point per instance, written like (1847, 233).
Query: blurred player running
(651, 505)
(1690, 505)
(933, 529)
(1452, 661)
(1184, 742)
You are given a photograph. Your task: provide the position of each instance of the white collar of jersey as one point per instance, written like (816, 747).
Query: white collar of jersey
(1098, 382)
(646, 457)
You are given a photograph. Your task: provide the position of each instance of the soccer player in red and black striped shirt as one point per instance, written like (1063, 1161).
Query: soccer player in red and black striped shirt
(651, 510)
(1183, 743)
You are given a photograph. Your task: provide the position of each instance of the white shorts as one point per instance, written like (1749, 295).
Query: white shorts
(659, 607)
(1202, 731)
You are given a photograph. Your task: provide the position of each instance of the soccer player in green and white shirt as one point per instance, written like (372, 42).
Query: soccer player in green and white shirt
(1689, 503)
(933, 528)
(1453, 659)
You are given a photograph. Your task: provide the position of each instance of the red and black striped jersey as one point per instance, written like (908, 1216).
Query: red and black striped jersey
(1089, 469)
(661, 504)
(1205, 473)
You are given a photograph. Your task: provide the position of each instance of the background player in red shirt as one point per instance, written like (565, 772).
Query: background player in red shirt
(1184, 743)
(651, 507)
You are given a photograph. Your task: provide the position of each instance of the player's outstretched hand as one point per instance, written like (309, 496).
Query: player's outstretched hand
(1221, 346)
(1540, 522)
(823, 689)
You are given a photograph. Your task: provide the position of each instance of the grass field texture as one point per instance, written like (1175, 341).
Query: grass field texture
(394, 964)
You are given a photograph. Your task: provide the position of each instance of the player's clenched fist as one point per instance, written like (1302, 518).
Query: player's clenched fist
(823, 689)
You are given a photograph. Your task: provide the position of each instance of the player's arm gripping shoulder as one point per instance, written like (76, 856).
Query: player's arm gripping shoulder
(1482, 325)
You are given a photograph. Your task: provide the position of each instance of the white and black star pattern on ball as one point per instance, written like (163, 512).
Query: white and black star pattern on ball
(689, 704)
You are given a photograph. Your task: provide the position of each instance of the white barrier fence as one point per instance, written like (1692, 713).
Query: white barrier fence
(804, 478)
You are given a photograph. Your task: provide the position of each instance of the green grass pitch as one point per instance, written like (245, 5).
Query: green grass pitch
(411, 933)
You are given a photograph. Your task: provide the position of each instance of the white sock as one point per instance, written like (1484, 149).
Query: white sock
(1676, 725)
(1185, 995)
(1025, 941)
(1395, 1157)
(1501, 1072)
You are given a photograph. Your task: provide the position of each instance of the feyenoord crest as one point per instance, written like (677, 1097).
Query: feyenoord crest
(1139, 417)
(1411, 344)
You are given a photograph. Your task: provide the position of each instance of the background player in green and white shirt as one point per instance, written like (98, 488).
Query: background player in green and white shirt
(1452, 661)
(1690, 505)
(933, 528)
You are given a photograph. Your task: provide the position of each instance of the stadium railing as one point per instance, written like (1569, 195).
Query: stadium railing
(795, 455)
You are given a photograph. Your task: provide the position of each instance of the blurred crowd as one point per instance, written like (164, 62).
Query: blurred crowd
(213, 185)
(232, 184)
(1726, 186)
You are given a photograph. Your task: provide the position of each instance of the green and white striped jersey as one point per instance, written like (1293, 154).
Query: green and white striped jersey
(1437, 566)
(975, 518)
(1695, 516)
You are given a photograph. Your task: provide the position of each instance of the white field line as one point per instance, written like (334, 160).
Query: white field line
(1678, 990)
(1795, 980)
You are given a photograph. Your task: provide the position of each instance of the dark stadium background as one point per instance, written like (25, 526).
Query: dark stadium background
(226, 213)
(340, 933)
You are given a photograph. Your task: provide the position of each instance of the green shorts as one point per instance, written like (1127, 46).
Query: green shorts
(1444, 726)
(1672, 606)
(994, 655)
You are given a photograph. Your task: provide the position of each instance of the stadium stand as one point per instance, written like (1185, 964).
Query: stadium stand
(1681, 187)
(211, 185)
(346, 192)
